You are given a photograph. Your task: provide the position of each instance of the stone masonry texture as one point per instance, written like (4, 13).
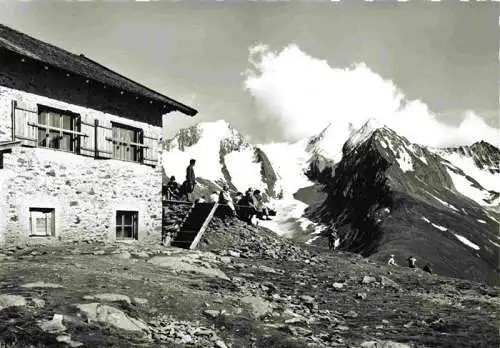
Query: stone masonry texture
(85, 193)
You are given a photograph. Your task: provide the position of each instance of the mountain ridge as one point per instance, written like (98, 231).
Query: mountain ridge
(382, 187)
(389, 196)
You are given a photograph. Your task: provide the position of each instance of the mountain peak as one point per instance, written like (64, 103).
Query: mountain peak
(362, 134)
(215, 132)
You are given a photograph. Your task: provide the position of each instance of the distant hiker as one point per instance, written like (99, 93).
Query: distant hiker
(391, 261)
(214, 197)
(172, 188)
(190, 179)
(411, 262)
(427, 268)
(332, 237)
(261, 210)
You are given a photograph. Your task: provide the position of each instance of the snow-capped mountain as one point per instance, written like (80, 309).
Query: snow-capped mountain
(475, 171)
(222, 154)
(393, 197)
(387, 194)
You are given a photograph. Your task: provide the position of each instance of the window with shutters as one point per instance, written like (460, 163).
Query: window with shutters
(58, 129)
(42, 222)
(127, 143)
(126, 224)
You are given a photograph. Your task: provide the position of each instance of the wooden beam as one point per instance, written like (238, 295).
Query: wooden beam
(13, 118)
(67, 131)
(197, 239)
(173, 201)
(121, 141)
(8, 145)
(96, 142)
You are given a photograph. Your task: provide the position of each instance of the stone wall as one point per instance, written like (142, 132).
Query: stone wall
(5, 115)
(85, 194)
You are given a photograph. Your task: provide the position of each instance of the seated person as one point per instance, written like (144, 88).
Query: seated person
(260, 206)
(173, 189)
(247, 206)
(226, 207)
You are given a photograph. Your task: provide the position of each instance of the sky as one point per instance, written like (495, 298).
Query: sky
(281, 71)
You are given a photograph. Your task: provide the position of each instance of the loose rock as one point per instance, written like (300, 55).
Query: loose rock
(11, 301)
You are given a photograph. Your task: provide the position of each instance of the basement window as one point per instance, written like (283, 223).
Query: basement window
(126, 224)
(42, 222)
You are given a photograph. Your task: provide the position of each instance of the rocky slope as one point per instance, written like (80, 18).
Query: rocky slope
(248, 288)
(393, 197)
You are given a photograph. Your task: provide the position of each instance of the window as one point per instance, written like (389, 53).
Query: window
(42, 222)
(126, 224)
(58, 129)
(127, 143)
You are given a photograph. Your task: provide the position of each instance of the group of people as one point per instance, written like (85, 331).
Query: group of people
(248, 205)
(412, 263)
(174, 191)
(333, 241)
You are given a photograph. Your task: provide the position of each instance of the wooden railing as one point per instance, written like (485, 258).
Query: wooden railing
(93, 139)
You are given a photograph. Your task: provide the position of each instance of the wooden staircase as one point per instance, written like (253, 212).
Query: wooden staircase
(194, 226)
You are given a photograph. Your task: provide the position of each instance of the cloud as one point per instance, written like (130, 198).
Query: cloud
(301, 95)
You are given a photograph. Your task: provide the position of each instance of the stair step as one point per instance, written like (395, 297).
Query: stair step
(192, 225)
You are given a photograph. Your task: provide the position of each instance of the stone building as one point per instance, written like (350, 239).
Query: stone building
(79, 151)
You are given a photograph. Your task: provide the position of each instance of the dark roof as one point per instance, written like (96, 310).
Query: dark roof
(30, 47)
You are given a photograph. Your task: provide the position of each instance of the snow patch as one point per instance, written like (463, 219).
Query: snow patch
(389, 142)
(423, 159)
(363, 134)
(290, 162)
(489, 181)
(404, 161)
(495, 244)
(244, 171)
(328, 144)
(466, 188)
(439, 227)
(289, 219)
(481, 221)
(467, 242)
(309, 242)
(205, 151)
(492, 218)
(443, 202)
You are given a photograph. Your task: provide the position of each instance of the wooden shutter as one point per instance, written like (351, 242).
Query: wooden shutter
(151, 151)
(87, 144)
(22, 129)
(104, 146)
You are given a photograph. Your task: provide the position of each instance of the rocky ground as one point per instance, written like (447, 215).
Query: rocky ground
(244, 288)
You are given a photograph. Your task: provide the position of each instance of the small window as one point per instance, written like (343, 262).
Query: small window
(127, 143)
(126, 224)
(57, 129)
(42, 222)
